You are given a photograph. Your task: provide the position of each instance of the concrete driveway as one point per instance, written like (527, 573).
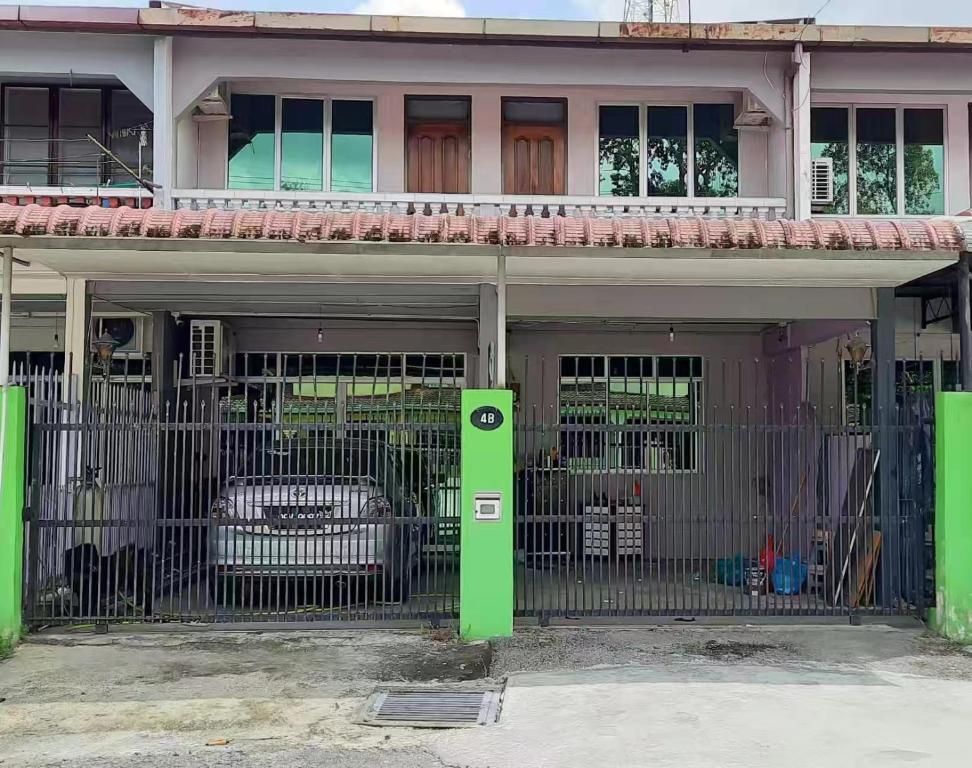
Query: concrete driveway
(672, 696)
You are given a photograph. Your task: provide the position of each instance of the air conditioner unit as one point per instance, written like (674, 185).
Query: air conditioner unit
(213, 106)
(128, 333)
(752, 115)
(210, 349)
(821, 182)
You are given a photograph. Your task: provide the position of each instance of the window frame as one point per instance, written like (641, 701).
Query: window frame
(53, 126)
(279, 379)
(612, 443)
(936, 367)
(899, 148)
(409, 122)
(643, 108)
(327, 101)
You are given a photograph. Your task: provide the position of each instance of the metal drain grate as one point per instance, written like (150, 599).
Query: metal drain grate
(431, 708)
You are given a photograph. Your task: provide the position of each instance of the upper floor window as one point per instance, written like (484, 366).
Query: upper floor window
(534, 146)
(301, 144)
(438, 144)
(45, 132)
(689, 150)
(887, 160)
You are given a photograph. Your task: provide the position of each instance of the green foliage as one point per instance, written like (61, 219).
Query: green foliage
(877, 179)
(668, 155)
(716, 167)
(619, 167)
(922, 180)
(716, 171)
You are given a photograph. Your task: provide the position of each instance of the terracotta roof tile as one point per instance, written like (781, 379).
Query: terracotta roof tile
(633, 232)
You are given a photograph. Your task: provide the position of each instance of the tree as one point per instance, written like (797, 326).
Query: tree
(716, 167)
(664, 155)
(619, 163)
(877, 172)
(922, 181)
(716, 172)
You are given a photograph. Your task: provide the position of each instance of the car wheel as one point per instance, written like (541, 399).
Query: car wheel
(226, 590)
(401, 562)
(395, 587)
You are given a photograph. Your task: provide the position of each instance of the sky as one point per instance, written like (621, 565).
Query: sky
(894, 12)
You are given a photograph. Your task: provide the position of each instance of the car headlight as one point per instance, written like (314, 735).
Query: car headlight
(222, 508)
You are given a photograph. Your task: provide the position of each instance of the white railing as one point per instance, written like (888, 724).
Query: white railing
(72, 193)
(482, 205)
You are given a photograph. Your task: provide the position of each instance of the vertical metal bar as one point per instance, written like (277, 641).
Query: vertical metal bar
(501, 318)
(964, 326)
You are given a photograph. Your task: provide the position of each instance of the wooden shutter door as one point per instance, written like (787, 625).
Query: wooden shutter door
(534, 160)
(438, 158)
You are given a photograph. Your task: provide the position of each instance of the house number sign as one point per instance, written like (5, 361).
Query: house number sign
(486, 417)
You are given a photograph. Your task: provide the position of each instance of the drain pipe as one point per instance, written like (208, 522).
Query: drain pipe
(5, 310)
(964, 329)
(501, 318)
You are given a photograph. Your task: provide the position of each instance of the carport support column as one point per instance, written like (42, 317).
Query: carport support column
(77, 321)
(884, 419)
(486, 529)
(486, 370)
(953, 516)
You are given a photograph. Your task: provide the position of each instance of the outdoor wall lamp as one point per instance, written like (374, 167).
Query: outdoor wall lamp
(857, 348)
(103, 348)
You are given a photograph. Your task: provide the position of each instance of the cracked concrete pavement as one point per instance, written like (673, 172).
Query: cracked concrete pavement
(612, 696)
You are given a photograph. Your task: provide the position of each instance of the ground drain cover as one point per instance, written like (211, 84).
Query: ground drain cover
(431, 708)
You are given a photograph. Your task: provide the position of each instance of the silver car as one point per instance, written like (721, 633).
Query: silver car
(312, 510)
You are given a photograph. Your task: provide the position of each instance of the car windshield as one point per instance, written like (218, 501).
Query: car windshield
(355, 462)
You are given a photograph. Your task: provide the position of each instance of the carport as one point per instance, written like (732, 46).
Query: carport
(366, 326)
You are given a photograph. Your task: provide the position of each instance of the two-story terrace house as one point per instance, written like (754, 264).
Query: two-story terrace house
(719, 265)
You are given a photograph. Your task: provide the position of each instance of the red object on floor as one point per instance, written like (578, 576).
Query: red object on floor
(767, 556)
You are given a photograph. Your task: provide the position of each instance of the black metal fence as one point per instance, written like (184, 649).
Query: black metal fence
(316, 488)
(669, 487)
(293, 499)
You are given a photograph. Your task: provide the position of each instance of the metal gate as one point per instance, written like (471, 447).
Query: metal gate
(653, 493)
(308, 498)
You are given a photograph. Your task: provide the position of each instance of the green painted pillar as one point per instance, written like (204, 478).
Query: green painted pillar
(953, 515)
(486, 554)
(13, 409)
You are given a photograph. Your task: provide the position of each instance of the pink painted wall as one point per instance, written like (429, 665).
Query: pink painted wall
(203, 163)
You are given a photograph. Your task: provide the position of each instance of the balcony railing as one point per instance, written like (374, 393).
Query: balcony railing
(108, 197)
(483, 205)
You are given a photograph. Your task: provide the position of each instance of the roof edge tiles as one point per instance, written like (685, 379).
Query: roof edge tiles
(914, 235)
(189, 20)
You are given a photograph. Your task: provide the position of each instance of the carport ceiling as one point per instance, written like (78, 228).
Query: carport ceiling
(292, 299)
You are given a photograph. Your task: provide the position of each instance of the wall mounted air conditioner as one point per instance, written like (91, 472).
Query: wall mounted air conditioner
(213, 106)
(752, 115)
(210, 349)
(821, 182)
(128, 332)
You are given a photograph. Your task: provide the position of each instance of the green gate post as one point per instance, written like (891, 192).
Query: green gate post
(13, 406)
(486, 553)
(953, 515)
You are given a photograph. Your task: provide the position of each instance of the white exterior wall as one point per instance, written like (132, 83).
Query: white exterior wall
(908, 79)
(64, 55)
(208, 145)
(387, 71)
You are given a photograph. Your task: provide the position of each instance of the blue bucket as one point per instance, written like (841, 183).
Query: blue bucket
(789, 575)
